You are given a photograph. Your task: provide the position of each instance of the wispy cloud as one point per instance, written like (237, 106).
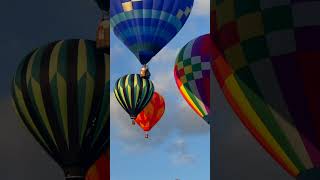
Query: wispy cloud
(180, 154)
(177, 119)
(202, 8)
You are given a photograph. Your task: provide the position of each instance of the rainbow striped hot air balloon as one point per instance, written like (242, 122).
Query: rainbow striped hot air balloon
(268, 69)
(194, 77)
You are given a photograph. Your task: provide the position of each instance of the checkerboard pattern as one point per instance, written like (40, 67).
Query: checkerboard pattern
(252, 31)
(272, 54)
(192, 74)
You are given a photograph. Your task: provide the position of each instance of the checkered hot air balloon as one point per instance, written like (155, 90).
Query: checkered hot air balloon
(269, 68)
(61, 92)
(195, 80)
(146, 26)
(194, 77)
(151, 114)
(133, 93)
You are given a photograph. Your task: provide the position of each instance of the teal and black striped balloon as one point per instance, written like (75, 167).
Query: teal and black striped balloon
(133, 93)
(61, 92)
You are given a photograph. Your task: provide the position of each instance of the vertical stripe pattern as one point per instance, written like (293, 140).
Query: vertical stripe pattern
(61, 92)
(146, 26)
(133, 93)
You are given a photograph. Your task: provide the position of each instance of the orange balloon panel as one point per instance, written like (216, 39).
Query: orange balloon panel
(152, 113)
(100, 170)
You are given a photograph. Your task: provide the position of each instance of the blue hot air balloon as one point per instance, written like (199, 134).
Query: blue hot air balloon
(146, 26)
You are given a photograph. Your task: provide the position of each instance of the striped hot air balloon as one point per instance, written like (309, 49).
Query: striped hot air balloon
(268, 68)
(133, 93)
(61, 92)
(146, 26)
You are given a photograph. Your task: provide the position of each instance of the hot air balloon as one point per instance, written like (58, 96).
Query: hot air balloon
(151, 114)
(193, 75)
(133, 93)
(103, 30)
(61, 92)
(100, 170)
(194, 78)
(146, 26)
(103, 35)
(268, 68)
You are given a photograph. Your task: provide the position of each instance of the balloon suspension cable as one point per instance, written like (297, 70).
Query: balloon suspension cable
(144, 72)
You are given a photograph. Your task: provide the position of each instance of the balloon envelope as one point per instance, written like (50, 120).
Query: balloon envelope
(146, 26)
(152, 113)
(133, 93)
(100, 170)
(61, 92)
(193, 75)
(103, 35)
(269, 72)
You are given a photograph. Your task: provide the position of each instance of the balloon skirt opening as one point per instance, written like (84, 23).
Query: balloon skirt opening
(311, 174)
(74, 173)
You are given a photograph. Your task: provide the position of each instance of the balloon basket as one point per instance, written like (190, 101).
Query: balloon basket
(146, 135)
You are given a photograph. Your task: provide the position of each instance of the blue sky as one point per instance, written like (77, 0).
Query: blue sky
(179, 144)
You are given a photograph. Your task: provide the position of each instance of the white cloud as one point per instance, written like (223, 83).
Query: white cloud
(201, 8)
(178, 118)
(180, 154)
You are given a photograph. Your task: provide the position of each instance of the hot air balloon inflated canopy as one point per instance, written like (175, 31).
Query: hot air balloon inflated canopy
(103, 35)
(146, 26)
(100, 170)
(267, 64)
(193, 76)
(151, 114)
(61, 92)
(133, 93)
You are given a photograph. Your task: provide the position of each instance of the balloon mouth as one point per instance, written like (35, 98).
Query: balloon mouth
(310, 174)
(74, 172)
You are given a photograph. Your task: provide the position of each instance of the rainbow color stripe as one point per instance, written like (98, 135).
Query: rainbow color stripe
(192, 73)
